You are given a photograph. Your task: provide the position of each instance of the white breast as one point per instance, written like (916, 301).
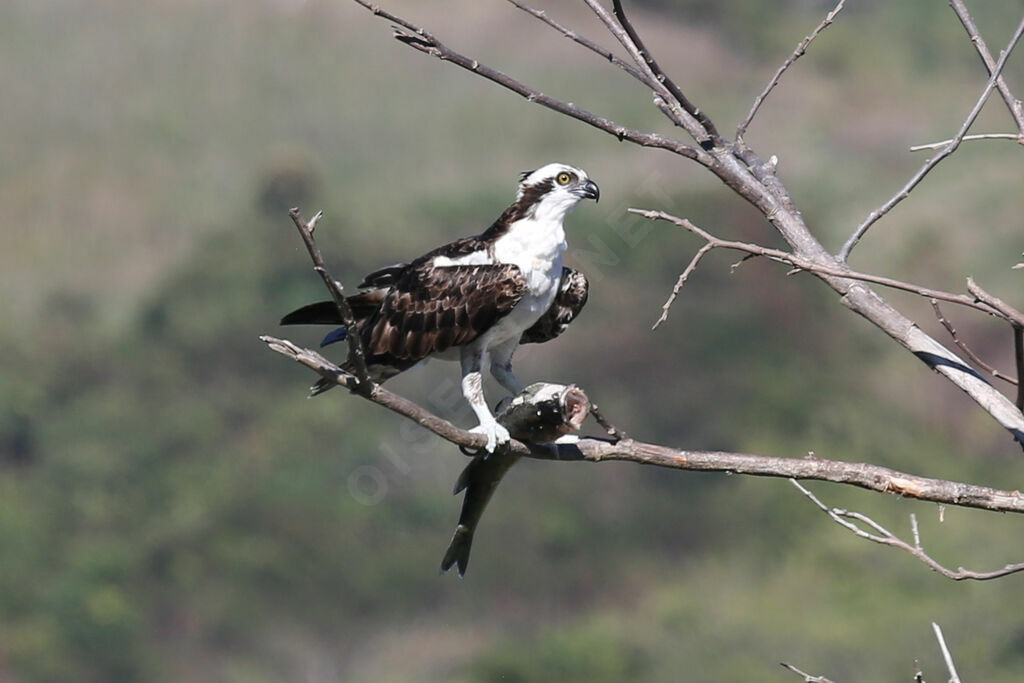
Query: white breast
(536, 246)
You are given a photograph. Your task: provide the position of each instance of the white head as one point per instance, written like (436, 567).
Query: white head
(552, 191)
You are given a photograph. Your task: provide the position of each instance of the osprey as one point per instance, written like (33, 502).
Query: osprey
(475, 299)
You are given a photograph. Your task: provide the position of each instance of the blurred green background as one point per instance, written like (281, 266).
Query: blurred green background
(172, 508)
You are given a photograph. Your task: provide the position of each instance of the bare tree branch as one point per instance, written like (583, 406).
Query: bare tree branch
(1006, 310)
(585, 42)
(419, 39)
(808, 678)
(1012, 103)
(683, 277)
(954, 677)
(801, 263)
(862, 475)
(362, 382)
(799, 52)
(904, 192)
(1018, 354)
(614, 432)
(673, 89)
(966, 349)
(754, 180)
(969, 138)
(880, 534)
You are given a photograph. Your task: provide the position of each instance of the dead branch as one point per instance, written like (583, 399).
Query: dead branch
(425, 42)
(808, 678)
(880, 534)
(1012, 103)
(954, 677)
(708, 128)
(1018, 354)
(966, 349)
(542, 15)
(970, 138)
(740, 168)
(614, 432)
(799, 52)
(1006, 310)
(803, 264)
(862, 475)
(362, 383)
(946, 151)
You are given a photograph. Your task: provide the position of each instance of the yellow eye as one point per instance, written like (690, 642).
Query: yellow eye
(563, 178)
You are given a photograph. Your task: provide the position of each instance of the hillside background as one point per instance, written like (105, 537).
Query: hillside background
(172, 508)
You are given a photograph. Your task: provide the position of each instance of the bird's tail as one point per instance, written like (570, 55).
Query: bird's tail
(320, 313)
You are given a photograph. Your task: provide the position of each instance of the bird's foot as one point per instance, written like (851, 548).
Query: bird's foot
(495, 433)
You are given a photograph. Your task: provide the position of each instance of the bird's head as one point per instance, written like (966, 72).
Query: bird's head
(552, 191)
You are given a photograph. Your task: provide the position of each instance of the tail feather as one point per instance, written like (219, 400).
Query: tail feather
(334, 336)
(320, 313)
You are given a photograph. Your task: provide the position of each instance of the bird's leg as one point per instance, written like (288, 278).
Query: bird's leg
(501, 367)
(473, 389)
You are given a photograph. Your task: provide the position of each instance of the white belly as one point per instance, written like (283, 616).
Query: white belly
(542, 288)
(535, 246)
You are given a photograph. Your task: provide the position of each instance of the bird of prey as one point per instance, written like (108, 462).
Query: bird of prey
(475, 299)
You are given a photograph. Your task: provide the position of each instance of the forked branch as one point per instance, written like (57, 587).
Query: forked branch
(946, 151)
(740, 168)
(856, 522)
(862, 475)
(420, 39)
(621, 447)
(357, 358)
(801, 263)
(799, 52)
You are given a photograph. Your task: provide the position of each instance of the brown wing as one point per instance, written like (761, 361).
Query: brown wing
(430, 309)
(570, 300)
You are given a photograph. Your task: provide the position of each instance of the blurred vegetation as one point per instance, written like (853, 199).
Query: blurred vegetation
(172, 508)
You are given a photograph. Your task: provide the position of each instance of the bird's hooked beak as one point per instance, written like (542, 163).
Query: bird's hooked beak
(590, 190)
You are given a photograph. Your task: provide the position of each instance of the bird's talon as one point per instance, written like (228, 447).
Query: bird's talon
(495, 433)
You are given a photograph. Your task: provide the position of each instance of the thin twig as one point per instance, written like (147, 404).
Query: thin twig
(1006, 310)
(683, 277)
(542, 15)
(808, 678)
(904, 192)
(677, 111)
(663, 77)
(1012, 103)
(969, 138)
(614, 432)
(954, 677)
(363, 384)
(419, 39)
(880, 534)
(805, 264)
(799, 52)
(966, 349)
(1018, 353)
